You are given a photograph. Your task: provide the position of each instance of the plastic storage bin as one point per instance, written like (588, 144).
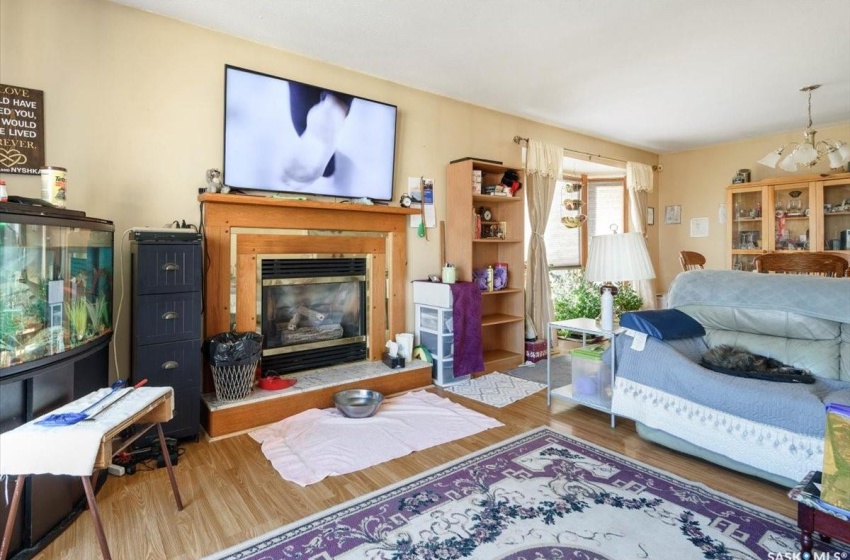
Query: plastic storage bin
(434, 331)
(591, 376)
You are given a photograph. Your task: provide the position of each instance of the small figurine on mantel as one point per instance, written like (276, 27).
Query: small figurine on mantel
(214, 182)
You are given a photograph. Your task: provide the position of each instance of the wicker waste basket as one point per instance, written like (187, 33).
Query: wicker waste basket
(233, 358)
(234, 382)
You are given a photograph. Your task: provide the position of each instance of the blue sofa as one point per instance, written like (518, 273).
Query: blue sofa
(767, 429)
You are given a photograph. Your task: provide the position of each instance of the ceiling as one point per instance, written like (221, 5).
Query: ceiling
(661, 75)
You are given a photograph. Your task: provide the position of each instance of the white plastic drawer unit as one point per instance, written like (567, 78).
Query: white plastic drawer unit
(435, 320)
(435, 331)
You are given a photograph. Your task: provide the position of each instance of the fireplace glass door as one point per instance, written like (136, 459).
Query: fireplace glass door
(313, 311)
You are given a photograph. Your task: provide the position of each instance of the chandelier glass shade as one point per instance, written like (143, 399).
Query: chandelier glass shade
(809, 152)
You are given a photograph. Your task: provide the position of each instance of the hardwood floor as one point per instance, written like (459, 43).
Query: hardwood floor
(231, 493)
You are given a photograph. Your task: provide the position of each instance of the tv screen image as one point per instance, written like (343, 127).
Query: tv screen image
(287, 136)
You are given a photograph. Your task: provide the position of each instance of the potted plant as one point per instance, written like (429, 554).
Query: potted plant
(573, 296)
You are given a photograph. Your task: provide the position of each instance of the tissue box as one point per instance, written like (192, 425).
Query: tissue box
(393, 361)
(535, 350)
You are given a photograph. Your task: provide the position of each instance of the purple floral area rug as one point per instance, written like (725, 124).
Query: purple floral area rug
(541, 495)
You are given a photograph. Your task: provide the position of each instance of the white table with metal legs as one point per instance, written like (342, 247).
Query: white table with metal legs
(585, 327)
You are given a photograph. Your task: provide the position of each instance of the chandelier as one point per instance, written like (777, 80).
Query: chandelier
(809, 152)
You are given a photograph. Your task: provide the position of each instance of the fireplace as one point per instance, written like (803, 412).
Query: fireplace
(239, 229)
(313, 310)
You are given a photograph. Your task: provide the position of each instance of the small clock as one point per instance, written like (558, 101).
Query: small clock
(486, 214)
(405, 201)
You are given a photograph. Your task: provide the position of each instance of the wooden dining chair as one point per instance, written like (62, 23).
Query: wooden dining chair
(691, 260)
(819, 263)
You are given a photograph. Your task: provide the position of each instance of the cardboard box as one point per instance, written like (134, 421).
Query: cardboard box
(835, 483)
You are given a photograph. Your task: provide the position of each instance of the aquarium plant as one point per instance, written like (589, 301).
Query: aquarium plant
(77, 311)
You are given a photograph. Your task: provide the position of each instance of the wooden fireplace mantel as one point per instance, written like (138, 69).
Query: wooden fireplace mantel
(223, 212)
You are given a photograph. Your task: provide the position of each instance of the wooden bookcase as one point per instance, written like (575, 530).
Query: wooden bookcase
(503, 311)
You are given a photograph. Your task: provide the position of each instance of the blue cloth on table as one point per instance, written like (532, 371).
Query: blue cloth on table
(466, 322)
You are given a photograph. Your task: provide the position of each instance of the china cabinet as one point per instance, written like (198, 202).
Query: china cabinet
(795, 213)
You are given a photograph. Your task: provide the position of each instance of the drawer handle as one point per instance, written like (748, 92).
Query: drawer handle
(170, 315)
(170, 364)
(169, 267)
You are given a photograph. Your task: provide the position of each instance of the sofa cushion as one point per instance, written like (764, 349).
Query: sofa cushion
(664, 324)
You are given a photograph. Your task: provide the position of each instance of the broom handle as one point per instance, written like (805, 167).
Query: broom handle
(115, 386)
(136, 386)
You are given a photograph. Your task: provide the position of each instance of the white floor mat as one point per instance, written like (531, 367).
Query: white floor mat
(496, 389)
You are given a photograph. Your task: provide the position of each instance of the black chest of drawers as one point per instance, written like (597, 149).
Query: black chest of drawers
(166, 326)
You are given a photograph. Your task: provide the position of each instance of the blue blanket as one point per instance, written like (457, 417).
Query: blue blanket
(795, 407)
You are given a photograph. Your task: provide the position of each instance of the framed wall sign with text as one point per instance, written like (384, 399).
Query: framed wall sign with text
(21, 130)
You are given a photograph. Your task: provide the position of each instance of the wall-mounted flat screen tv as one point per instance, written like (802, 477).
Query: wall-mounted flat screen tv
(286, 136)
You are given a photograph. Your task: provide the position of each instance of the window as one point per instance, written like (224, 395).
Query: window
(605, 204)
(563, 244)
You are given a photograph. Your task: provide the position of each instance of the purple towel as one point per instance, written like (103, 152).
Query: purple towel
(466, 320)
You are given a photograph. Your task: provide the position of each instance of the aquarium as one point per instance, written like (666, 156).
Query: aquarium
(56, 273)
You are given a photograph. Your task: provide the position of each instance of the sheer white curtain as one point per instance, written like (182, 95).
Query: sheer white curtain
(639, 183)
(542, 168)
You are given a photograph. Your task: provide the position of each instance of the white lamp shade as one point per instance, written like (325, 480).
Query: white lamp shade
(843, 150)
(835, 159)
(805, 154)
(618, 257)
(772, 158)
(788, 163)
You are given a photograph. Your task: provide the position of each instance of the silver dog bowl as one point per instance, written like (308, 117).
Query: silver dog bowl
(358, 403)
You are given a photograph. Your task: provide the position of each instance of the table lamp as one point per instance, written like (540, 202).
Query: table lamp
(616, 257)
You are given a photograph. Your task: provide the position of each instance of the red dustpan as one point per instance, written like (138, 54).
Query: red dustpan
(275, 383)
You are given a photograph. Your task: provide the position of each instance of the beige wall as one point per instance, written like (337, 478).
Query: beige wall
(697, 181)
(134, 108)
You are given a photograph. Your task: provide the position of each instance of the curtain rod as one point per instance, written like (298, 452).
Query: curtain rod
(519, 139)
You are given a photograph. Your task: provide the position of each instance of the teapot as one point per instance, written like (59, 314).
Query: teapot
(573, 221)
(573, 204)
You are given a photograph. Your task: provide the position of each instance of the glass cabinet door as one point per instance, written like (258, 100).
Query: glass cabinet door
(834, 231)
(792, 217)
(747, 227)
